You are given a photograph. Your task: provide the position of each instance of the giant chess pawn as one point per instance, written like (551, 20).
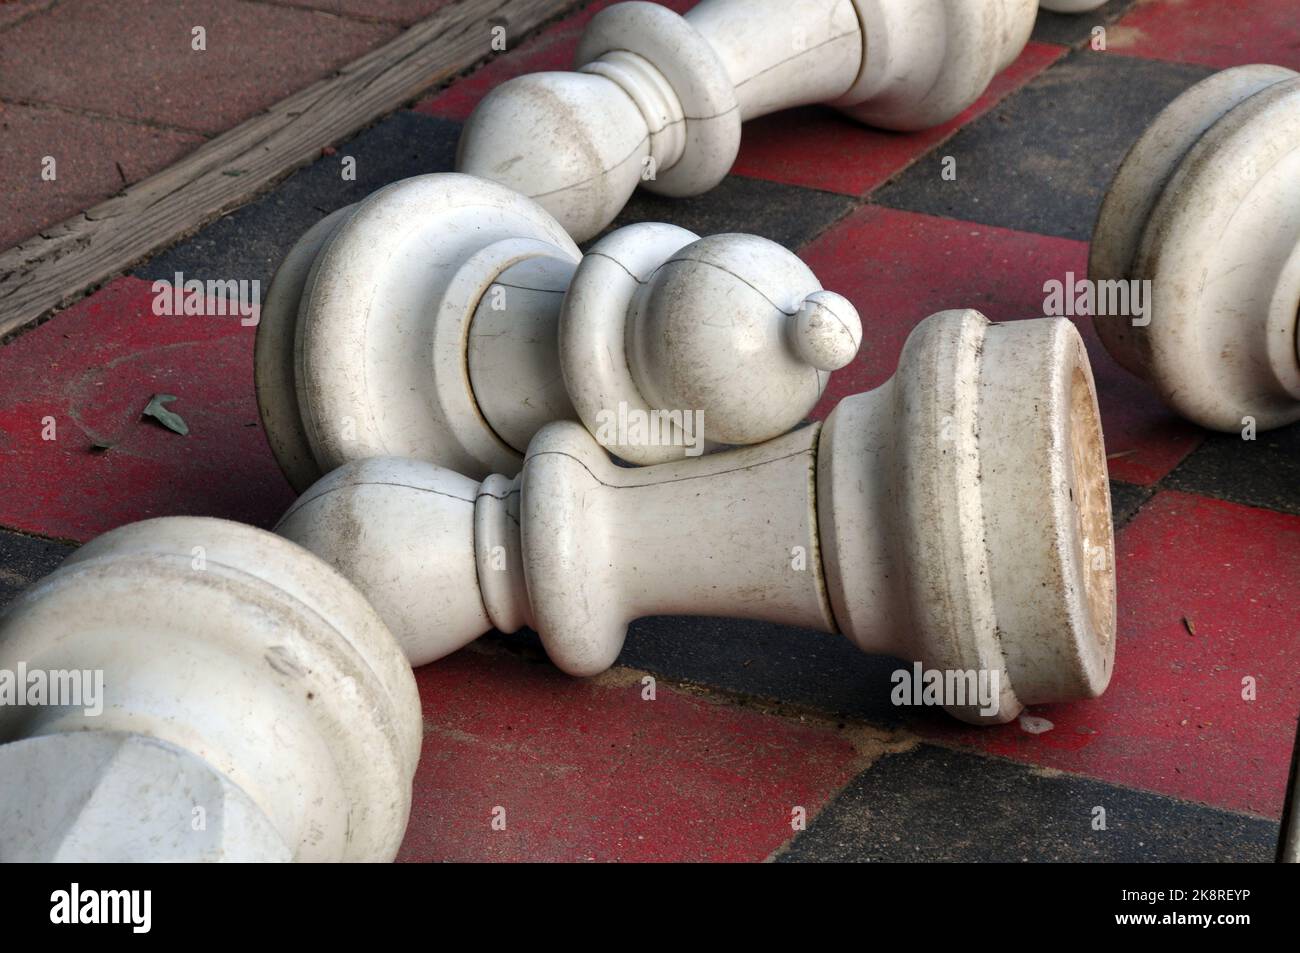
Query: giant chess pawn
(958, 515)
(252, 706)
(447, 318)
(1206, 208)
(658, 99)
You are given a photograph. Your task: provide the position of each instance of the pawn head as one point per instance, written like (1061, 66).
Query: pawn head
(738, 328)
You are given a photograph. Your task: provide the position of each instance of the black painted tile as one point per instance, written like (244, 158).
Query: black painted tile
(786, 214)
(934, 804)
(774, 663)
(815, 670)
(250, 242)
(1125, 500)
(1068, 29)
(1261, 472)
(1042, 159)
(24, 559)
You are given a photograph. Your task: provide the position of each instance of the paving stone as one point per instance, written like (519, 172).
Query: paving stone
(94, 157)
(769, 663)
(1211, 32)
(257, 54)
(1069, 29)
(930, 804)
(588, 769)
(788, 215)
(1260, 472)
(1125, 500)
(24, 559)
(1042, 159)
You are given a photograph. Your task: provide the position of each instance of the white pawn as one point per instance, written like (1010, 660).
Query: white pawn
(958, 515)
(1206, 209)
(658, 99)
(253, 706)
(447, 318)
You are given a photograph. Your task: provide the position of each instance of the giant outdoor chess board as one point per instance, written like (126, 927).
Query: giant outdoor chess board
(751, 720)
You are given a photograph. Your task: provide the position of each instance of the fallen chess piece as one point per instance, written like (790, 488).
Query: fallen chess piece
(447, 319)
(1205, 208)
(958, 515)
(658, 99)
(197, 689)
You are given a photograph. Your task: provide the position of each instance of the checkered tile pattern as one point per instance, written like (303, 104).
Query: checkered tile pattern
(755, 726)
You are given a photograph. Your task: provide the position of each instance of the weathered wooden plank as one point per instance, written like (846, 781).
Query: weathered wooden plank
(60, 264)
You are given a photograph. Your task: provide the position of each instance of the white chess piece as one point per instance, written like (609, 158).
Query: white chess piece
(253, 706)
(658, 99)
(1206, 209)
(447, 318)
(958, 515)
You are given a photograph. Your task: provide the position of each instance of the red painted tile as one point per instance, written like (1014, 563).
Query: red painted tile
(135, 61)
(1218, 33)
(820, 148)
(899, 267)
(94, 158)
(553, 49)
(1173, 719)
(93, 369)
(587, 770)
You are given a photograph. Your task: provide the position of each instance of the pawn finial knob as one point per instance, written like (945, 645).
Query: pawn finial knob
(826, 330)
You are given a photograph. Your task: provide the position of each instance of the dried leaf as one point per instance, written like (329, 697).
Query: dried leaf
(158, 412)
